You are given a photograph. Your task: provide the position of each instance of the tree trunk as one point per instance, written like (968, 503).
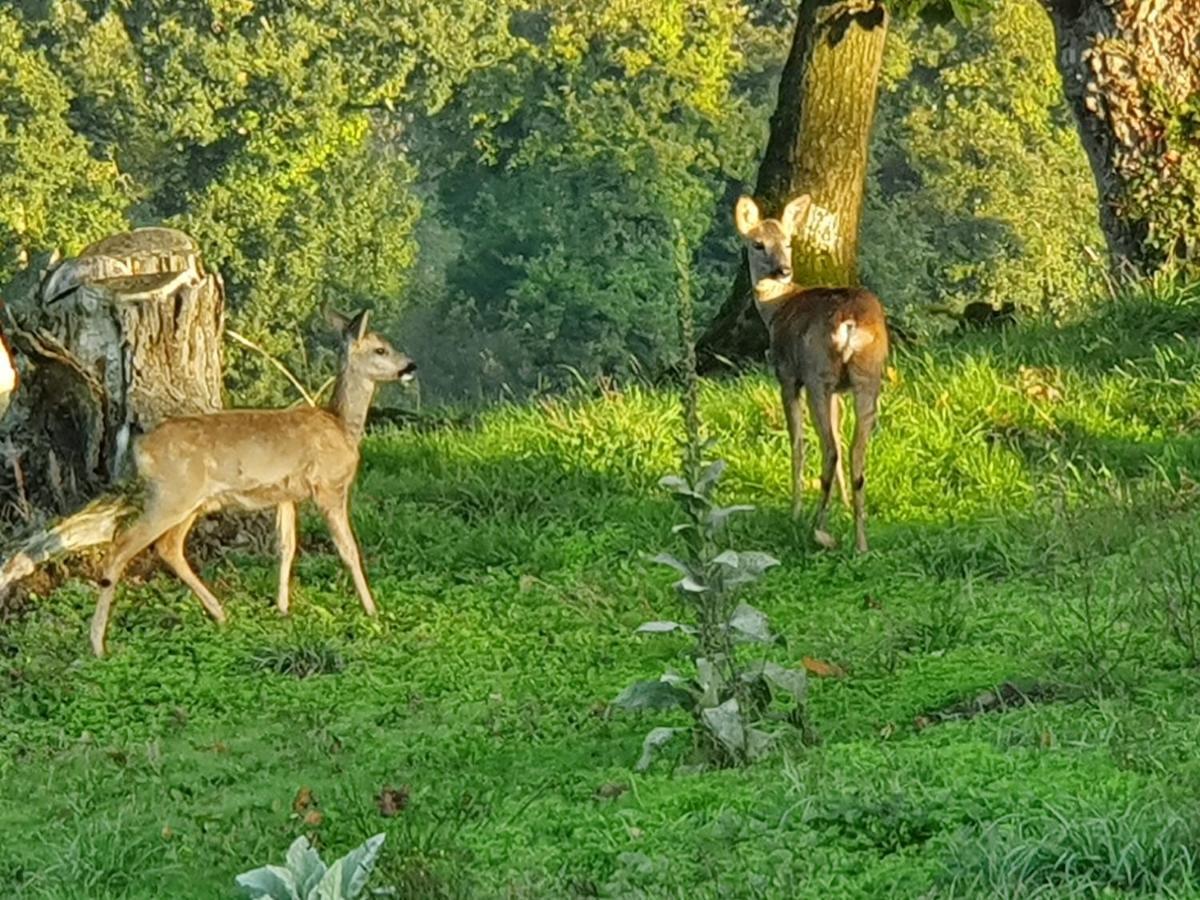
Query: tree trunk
(820, 132)
(1129, 69)
(114, 340)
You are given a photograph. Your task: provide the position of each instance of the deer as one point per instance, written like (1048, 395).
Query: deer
(254, 459)
(825, 341)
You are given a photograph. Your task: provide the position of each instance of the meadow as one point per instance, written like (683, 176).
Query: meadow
(1011, 708)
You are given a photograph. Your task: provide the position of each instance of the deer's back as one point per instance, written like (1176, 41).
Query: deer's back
(248, 458)
(804, 326)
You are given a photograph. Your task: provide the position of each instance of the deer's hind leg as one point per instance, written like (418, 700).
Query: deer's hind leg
(170, 547)
(866, 403)
(820, 402)
(151, 525)
(835, 417)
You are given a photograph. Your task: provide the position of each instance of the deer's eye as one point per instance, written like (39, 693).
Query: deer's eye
(381, 350)
(758, 245)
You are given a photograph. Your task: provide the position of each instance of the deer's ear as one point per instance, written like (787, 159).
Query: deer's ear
(336, 320)
(357, 329)
(745, 214)
(793, 215)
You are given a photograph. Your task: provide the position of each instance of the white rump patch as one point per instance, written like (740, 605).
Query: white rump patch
(848, 339)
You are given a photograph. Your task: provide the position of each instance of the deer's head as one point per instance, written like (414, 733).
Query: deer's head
(368, 354)
(769, 241)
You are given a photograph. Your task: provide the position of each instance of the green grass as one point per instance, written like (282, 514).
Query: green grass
(1029, 491)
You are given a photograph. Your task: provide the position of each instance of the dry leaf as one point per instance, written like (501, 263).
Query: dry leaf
(887, 730)
(822, 669)
(610, 790)
(303, 800)
(313, 818)
(167, 833)
(391, 801)
(921, 723)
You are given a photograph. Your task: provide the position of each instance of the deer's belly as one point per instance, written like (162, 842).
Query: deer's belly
(261, 496)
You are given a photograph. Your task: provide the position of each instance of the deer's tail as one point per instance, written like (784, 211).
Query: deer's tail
(849, 338)
(93, 525)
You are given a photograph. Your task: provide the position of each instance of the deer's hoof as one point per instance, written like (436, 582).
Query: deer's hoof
(825, 539)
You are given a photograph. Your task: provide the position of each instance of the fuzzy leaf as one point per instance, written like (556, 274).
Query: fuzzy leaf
(728, 558)
(794, 682)
(710, 476)
(678, 485)
(268, 883)
(346, 878)
(718, 516)
(664, 628)
(666, 559)
(691, 585)
(750, 624)
(305, 865)
(725, 723)
(652, 695)
(745, 567)
(709, 678)
(758, 743)
(654, 740)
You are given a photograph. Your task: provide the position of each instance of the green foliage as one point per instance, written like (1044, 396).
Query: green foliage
(559, 171)
(726, 698)
(1162, 194)
(306, 877)
(980, 190)
(505, 556)
(53, 192)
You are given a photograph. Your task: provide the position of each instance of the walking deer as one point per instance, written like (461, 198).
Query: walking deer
(254, 459)
(826, 340)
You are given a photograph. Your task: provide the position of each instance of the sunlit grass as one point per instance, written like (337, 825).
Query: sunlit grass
(1012, 477)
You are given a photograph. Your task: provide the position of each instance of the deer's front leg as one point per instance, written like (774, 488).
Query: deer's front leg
(285, 529)
(337, 516)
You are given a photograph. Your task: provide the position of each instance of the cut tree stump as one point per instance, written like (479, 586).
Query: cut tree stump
(110, 343)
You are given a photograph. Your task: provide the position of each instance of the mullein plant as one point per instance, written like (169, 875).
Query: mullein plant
(731, 700)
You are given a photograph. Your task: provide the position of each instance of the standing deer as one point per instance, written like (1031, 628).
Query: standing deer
(253, 459)
(828, 340)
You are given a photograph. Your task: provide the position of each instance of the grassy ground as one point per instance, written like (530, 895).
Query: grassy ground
(1034, 522)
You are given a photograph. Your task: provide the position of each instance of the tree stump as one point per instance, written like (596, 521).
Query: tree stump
(110, 343)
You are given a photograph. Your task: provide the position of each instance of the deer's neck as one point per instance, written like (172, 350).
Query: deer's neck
(352, 397)
(768, 292)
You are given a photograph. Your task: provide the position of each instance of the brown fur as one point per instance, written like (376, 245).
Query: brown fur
(253, 459)
(824, 341)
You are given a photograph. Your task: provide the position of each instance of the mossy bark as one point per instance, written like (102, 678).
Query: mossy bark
(1130, 72)
(819, 137)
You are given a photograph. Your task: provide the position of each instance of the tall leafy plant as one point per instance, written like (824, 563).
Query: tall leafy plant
(731, 701)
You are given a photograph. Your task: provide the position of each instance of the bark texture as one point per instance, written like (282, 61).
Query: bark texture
(1129, 69)
(819, 137)
(113, 341)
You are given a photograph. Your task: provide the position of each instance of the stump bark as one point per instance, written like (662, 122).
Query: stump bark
(111, 342)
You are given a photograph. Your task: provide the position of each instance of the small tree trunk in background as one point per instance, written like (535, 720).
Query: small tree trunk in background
(114, 340)
(1129, 68)
(820, 132)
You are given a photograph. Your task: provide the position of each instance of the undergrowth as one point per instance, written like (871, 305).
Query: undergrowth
(1014, 476)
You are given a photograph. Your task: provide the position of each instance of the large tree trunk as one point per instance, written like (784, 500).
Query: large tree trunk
(114, 340)
(1129, 67)
(820, 133)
